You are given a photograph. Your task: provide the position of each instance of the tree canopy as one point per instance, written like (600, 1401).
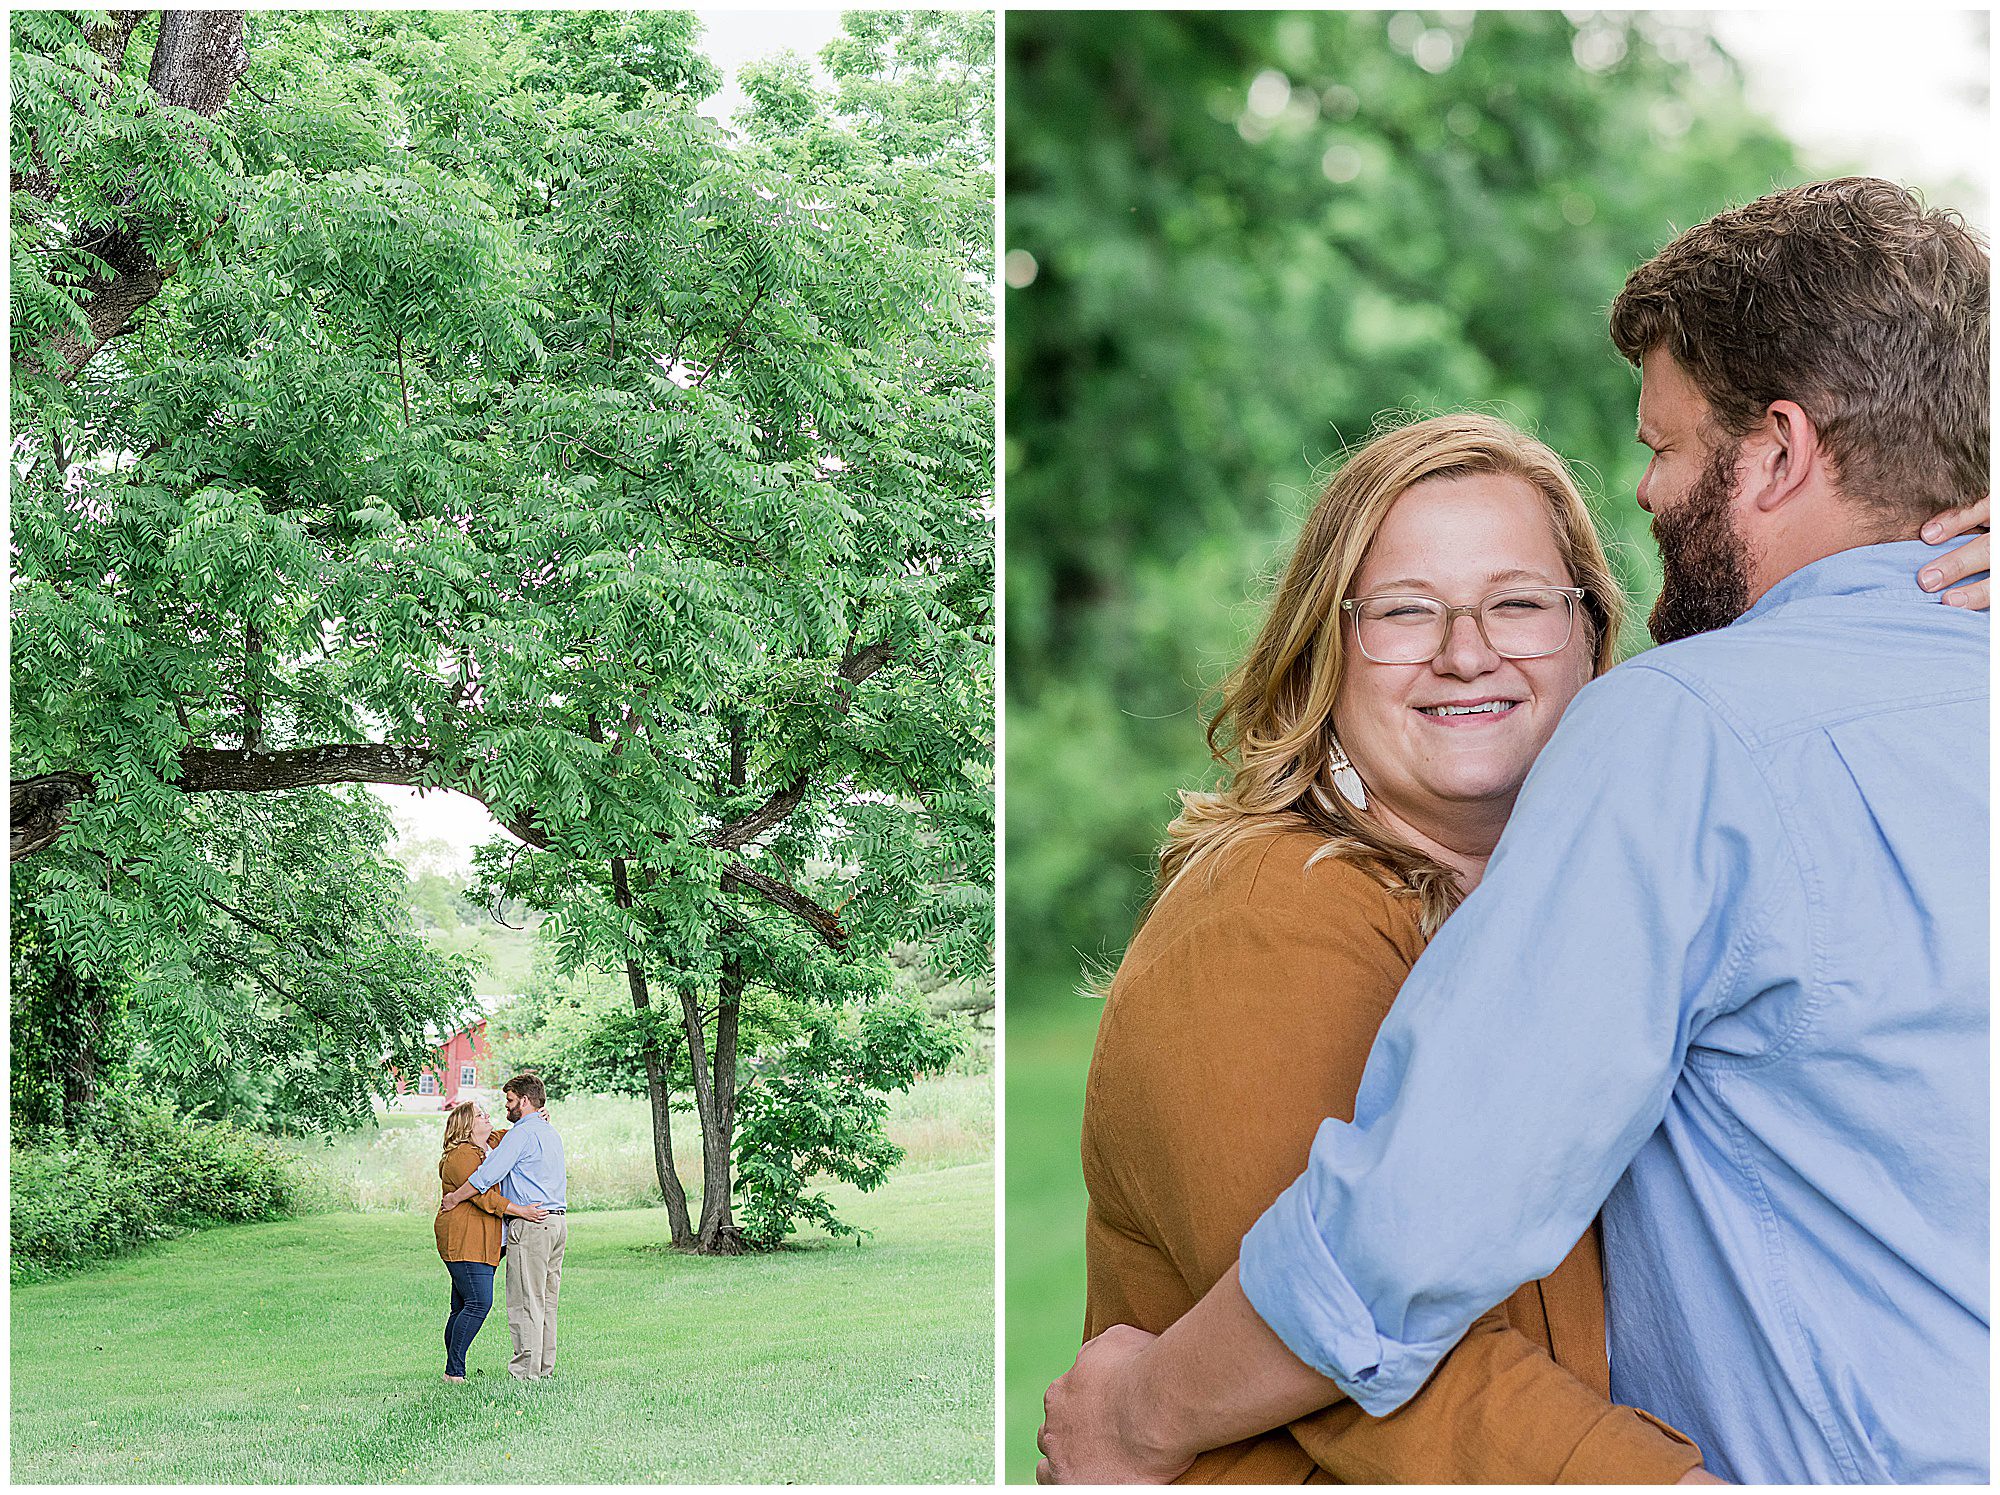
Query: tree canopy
(500, 423)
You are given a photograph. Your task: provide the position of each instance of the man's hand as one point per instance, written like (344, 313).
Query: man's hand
(1093, 1433)
(457, 1197)
(1700, 1476)
(1968, 560)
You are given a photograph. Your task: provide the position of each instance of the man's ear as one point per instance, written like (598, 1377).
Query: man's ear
(1781, 457)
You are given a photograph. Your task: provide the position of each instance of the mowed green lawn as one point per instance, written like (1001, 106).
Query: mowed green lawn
(1048, 1055)
(309, 1351)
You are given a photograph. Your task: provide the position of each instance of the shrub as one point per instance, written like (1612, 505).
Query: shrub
(818, 1112)
(138, 1173)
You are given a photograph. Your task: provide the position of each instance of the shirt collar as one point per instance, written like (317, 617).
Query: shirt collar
(1867, 570)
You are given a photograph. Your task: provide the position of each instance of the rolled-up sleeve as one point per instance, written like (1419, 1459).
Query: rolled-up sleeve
(1533, 1048)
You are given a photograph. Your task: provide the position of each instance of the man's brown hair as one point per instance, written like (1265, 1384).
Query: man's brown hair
(1855, 302)
(529, 1088)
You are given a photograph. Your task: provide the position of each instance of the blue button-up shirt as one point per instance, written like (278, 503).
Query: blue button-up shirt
(1732, 947)
(527, 1164)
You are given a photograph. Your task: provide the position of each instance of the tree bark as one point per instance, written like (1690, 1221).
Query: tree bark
(717, 1237)
(39, 809)
(659, 1096)
(718, 1225)
(110, 38)
(718, 1130)
(659, 1100)
(253, 688)
(79, 1078)
(196, 61)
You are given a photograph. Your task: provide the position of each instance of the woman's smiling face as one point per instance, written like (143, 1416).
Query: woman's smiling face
(482, 1125)
(1458, 539)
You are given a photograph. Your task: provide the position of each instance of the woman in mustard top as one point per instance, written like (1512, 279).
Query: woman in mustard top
(1374, 747)
(469, 1240)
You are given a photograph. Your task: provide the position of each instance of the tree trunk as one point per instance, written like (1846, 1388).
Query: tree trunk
(253, 688)
(659, 1096)
(39, 809)
(719, 1236)
(79, 1076)
(196, 61)
(659, 1100)
(718, 1116)
(718, 1223)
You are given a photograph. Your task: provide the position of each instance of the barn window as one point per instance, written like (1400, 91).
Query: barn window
(468, 1074)
(428, 1085)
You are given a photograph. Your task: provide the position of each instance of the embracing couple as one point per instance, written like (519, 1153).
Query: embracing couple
(1689, 1024)
(514, 1189)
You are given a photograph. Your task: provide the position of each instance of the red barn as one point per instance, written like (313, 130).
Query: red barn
(453, 1069)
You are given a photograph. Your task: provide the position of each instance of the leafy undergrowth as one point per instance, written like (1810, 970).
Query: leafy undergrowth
(142, 1174)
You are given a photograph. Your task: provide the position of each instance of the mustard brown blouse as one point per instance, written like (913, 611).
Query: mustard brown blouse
(472, 1231)
(1239, 1019)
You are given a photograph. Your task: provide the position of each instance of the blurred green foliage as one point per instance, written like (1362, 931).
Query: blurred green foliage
(1251, 234)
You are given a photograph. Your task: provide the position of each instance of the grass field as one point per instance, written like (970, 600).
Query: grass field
(310, 1351)
(1048, 1052)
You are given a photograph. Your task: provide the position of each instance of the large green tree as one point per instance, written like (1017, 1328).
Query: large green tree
(509, 427)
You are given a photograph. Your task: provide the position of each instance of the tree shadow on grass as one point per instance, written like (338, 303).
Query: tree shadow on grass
(787, 1248)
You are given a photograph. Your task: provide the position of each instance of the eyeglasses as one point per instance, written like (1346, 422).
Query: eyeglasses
(1519, 623)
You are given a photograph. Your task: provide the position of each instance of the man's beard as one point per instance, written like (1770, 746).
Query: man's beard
(1705, 558)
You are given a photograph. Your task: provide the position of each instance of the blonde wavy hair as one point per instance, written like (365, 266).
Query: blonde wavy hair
(458, 1124)
(1274, 729)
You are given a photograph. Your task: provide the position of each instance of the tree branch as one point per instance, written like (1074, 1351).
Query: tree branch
(402, 383)
(729, 343)
(821, 920)
(253, 688)
(39, 809)
(857, 667)
(40, 806)
(198, 57)
(242, 918)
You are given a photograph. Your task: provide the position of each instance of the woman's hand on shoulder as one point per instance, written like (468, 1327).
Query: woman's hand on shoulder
(1969, 559)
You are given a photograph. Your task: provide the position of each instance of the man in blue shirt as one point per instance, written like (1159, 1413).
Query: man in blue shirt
(528, 1166)
(1725, 975)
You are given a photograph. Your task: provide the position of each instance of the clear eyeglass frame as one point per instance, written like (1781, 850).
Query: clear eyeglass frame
(1476, 611)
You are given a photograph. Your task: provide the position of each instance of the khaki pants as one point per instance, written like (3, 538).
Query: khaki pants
(534, 1277)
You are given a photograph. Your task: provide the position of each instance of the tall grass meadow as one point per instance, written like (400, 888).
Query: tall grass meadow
(941, 1122)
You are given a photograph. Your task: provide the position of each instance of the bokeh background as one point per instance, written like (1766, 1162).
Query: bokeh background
(1234, 239)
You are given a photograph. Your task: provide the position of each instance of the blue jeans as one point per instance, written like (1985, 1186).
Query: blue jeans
(471, 1301)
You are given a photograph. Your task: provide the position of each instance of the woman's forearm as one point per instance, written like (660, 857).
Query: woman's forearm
(1219, 1374)
(1138, 1410)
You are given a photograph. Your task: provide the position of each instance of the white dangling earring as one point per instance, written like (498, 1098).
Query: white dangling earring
(1346, 780)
